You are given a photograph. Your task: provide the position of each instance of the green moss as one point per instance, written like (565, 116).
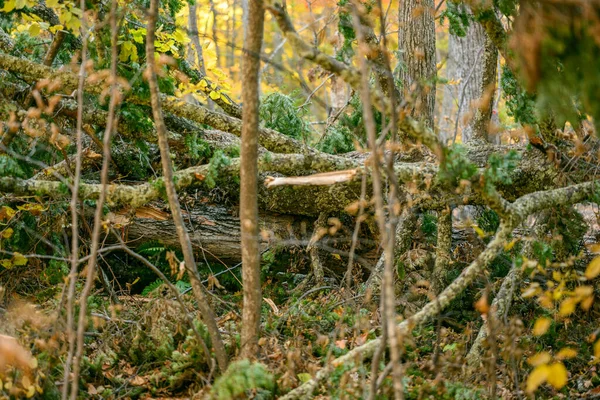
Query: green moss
(242, 379)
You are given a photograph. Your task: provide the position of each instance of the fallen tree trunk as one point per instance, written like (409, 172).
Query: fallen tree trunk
(214, 229)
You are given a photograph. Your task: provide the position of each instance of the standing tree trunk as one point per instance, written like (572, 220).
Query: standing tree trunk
(167, 167)
(416, 41)
(450, 94)
(194, 35)
(472, 63)
(249, 179)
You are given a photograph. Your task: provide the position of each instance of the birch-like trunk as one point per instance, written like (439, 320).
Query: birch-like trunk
(472, 62)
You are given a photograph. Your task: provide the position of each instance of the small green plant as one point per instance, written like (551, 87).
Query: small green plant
(243, 379)
(456, 166)
(499, 169)
(277, 111)
(458, 18)
(218, 161)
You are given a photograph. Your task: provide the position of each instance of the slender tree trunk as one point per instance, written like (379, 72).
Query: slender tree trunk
(416, 41)
(231, 34)
(184, 238)
(215, 32)
(450, 96)
(487, 87)
(249, 179)
(193, 23)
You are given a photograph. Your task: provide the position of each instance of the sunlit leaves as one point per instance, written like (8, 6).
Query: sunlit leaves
(17, 260)
(7, 233)
(554, 374)
(11, 5)
(70, 17)
(593, 269)
(128, 52)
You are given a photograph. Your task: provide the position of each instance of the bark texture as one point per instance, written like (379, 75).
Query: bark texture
(249, 180)
(167, 168)
(416, 41)
(472, 70)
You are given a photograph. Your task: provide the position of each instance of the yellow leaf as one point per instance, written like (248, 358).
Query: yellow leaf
(214, 95)
(7, 264)
(52, 3)
(26, 382)
(19, 259)
(593, 269)
(584, 291)
(7, 213)
(538, 376)
(64, 17)
(9, 5)
(586, 303)
(567, 307)
(531, 291)
(304, 377)
(541, 326)
(597, 349)
(55, 28)
(556, 275)
(566, 353)
(539, 359)
(510, 245)
(7, 233)
(479, 231)
(557, 375)
(34, 30)
(224, 99)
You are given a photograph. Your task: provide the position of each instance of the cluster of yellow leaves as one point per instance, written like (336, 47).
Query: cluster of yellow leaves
(545, 370)
(210, 89)
(11, 5)
(557, 291)
(164, 42)
(68, 13)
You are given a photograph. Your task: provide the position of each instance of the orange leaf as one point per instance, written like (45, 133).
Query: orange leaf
(566, 353)
(482, 305)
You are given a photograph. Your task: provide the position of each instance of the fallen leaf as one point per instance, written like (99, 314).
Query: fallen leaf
(341, 344)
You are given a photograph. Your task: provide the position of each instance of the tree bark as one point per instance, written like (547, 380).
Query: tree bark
(193, 23)
(214, 229)
(443, 251)
(167, 167)
(416, 41)
(249, 180)
(472, 62)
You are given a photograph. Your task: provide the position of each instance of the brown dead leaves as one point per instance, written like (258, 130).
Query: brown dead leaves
(12, 354)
